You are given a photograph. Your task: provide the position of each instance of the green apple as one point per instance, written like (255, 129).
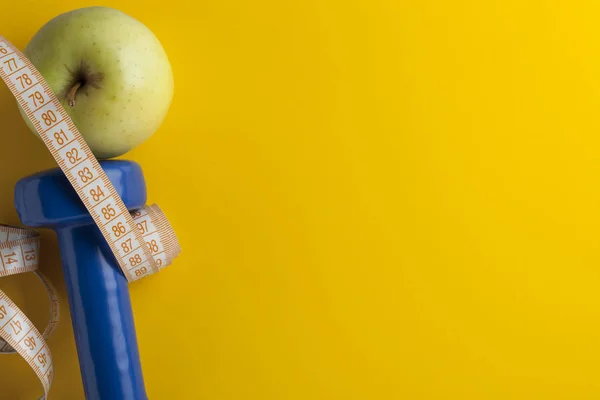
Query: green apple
(111, 74)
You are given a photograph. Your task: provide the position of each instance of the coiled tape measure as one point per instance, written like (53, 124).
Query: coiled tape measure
(143, 242)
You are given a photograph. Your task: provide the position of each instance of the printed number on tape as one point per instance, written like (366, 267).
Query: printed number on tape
(143, 242)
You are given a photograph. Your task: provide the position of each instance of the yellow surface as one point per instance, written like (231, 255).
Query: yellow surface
(376, 200)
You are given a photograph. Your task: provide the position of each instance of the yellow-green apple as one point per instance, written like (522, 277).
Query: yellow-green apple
(109, 71)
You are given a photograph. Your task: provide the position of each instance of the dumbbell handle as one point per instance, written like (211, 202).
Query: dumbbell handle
(102, 316)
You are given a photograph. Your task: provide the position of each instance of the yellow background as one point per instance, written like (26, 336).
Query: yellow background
(376, 200)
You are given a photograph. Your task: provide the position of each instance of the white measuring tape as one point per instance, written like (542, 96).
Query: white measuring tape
(143, 242)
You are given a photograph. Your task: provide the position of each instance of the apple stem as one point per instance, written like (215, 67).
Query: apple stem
(71, 95)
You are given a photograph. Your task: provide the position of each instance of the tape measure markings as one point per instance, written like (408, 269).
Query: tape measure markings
(146, 239)
(80, 158)
(18, 333)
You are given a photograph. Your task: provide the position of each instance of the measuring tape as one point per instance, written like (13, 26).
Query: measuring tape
(143, 242)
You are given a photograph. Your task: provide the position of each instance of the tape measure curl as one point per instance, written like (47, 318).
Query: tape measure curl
(19, 253)
(143, 242)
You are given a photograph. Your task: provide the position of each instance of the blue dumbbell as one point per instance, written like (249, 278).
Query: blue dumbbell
(97, 289)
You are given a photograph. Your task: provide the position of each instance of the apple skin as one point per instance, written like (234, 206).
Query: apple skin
(126, 77)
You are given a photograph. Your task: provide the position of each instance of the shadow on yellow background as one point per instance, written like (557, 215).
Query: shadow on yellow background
(376, 200)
